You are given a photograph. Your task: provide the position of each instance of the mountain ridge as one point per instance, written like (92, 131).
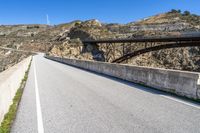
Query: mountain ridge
(65, 39)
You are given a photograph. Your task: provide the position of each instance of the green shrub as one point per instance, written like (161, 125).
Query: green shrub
(186, 13)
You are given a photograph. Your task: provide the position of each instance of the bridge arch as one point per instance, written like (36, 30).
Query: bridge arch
(155, 48)
(170, 42)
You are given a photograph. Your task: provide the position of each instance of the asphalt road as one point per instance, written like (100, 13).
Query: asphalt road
(62, 99)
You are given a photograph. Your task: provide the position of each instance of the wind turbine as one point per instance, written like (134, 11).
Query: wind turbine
(48, 22)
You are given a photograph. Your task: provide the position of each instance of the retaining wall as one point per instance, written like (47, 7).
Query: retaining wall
(10, 80)
(182, 83)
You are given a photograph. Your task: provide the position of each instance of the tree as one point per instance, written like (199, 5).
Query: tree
(179, 11)
(186, 13)
(175, 11)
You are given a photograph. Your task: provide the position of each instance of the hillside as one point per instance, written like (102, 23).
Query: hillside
(36, 38)
(173, 23)
(65, 40)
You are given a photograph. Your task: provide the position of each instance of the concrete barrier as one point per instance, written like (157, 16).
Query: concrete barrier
(10, 80)
(178, 82)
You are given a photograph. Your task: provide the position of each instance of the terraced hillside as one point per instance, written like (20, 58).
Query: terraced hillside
(65, 40)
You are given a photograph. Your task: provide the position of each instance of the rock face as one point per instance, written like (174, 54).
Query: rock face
(8, 59)
(66, 40)
(19, 29)
(162, 27)
(38, 38)
(168, 24)
(90, 30)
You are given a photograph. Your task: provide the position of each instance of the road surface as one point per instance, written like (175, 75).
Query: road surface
(62, 99)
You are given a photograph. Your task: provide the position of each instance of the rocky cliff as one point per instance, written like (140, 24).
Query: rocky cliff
(65, 40)
(173, 23)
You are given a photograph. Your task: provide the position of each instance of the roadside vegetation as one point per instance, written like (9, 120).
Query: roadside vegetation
(10, 116)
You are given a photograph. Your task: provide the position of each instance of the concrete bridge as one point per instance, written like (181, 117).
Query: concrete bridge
(75, 96)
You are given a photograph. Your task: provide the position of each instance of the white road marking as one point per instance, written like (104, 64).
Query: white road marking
(180, 101)
(39, 113)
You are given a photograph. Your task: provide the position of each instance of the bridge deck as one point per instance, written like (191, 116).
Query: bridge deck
(156, 39)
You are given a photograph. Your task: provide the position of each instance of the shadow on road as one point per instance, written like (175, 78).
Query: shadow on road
(142, 87)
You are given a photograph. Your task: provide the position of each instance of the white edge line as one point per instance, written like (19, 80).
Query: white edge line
(180, 101)
(38, 107)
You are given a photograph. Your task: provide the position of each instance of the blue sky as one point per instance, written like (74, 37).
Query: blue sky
(109, 11)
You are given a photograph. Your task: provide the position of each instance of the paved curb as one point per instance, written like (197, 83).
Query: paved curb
(9, 83)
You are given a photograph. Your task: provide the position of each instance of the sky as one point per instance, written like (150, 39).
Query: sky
(107, 11)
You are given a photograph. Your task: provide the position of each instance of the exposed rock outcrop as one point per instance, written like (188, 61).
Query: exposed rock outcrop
(66, 40)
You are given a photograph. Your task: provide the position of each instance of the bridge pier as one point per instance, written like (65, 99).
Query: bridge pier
(93, 48)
